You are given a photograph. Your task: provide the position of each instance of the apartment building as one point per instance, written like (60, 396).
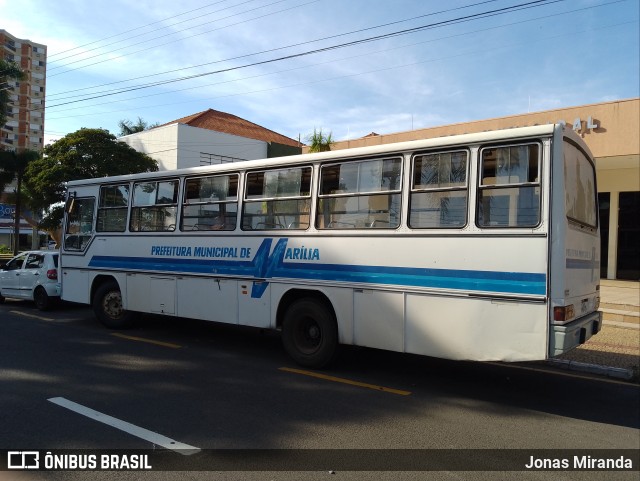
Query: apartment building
(25, 113)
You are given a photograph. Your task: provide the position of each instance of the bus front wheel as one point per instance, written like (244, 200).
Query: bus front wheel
(107, 306)
(310, 333)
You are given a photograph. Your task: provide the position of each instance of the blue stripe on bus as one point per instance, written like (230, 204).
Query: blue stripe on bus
(265, 266)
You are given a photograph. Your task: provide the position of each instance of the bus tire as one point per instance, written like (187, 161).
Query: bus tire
(310, 333)
(107, 307)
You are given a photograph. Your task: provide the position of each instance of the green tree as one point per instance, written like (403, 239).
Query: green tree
(319, 142)
(127, 127)
(13, 166)
(8, 71)
(84, 154)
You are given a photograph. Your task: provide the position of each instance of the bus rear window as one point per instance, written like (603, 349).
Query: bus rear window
(580, 187)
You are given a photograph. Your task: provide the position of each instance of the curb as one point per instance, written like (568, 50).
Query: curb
(616, 372)
(622, 324)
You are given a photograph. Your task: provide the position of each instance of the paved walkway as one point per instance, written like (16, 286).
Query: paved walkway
(617, 346)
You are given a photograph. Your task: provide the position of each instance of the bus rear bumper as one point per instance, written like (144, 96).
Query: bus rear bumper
(577, 332)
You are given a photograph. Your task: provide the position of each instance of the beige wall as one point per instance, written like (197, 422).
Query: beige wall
(616, 135)
(619, 180)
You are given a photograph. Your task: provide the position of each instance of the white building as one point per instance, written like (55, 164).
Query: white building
(210, 137)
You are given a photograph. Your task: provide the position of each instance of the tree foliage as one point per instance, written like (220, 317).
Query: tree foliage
(13, 166)
(319, 142)
(84, 154)
(8, 71)
(127, 127)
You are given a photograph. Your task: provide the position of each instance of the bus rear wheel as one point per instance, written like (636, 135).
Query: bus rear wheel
(310, 333)
(107, 307)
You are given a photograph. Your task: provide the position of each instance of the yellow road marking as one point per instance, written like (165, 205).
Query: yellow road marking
(150, 341)
(346, 381)
(34, 316)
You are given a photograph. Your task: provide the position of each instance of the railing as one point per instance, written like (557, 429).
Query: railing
(5, 257)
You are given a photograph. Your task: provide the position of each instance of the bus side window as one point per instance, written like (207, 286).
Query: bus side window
(439, 190)
(79, 228)
(509, 191)
(210, 203)
(277, 199)
(360, 195)
(112, 208)
(155, 206)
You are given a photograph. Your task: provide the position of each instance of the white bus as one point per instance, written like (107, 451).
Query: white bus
(479, 246)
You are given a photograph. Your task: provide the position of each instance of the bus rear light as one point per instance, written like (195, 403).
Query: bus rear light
(563, 313)
(52, 274)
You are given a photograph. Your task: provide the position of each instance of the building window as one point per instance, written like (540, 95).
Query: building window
(211, 159)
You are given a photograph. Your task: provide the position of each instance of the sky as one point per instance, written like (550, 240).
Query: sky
(349, 67)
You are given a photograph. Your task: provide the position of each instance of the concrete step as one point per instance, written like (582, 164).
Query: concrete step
(620, 314)
(620, 307)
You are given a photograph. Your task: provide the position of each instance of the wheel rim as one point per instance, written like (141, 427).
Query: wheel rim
(112, 304)
(308, 335)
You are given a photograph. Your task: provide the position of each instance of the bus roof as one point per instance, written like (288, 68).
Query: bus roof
(452, 140)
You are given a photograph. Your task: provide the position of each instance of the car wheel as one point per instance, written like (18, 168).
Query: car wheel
(107, 307)
(310, 333)
(41, 298)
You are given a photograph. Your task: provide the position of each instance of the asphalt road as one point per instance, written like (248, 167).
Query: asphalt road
(214, 387)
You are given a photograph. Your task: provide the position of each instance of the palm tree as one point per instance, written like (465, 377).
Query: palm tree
(319, 142)
(127, 127)
(13, 166)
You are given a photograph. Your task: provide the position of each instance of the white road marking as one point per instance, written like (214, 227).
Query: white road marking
(132, 429)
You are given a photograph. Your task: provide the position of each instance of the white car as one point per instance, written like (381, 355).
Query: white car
(31, 275)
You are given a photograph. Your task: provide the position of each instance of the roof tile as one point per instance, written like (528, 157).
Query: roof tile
(230, 124)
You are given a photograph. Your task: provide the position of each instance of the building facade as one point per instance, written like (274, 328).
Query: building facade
(24, 128)
(25, 113)
(612, 132)
(210, 137)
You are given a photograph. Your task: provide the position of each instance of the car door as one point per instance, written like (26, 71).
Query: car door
(10, 276)
(31, 274)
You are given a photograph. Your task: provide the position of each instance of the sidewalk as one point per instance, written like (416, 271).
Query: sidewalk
(615, 351)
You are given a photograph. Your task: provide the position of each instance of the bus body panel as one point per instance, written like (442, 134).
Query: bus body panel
(476, 329)
(76, 285)
(208, 299)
